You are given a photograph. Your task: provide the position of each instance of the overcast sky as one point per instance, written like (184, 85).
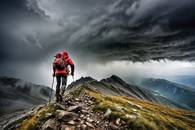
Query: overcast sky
(129, 38)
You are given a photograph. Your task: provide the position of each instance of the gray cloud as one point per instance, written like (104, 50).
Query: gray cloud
(134, 30)
(96, 31)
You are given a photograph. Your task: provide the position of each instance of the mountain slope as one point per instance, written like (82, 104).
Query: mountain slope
(176, 92)
(17, 95)
(86, 106)
(185, 80)
(115, 86)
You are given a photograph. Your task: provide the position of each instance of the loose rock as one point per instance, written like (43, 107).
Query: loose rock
(49, 125)
(108, 113)
(65, 116)
(75, 108)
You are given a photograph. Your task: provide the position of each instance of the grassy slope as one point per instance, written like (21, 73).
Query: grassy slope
(143, 115)
(35, 121)
(138, 114)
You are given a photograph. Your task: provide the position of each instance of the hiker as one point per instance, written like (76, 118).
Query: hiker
(61, 71)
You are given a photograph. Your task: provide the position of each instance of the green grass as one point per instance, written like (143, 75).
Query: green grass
(149, 116)
(35, 121)
(138, 114)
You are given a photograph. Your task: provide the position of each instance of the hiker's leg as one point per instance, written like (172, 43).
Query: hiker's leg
(64, 82)
(58, 80)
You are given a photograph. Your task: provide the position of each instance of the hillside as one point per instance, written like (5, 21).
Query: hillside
(115, 86)
(17, 95)
(185, 80)
(178, 93)
(87, 107)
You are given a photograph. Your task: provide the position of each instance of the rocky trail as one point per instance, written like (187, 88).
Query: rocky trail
(77, 113)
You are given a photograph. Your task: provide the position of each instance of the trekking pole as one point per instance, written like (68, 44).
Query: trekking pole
(73, 78)
(51, 90)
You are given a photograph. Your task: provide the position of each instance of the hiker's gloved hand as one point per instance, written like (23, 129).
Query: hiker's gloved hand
(72, 74)
(53, 75)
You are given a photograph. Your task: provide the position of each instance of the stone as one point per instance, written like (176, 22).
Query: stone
(89, 120)
(90, 102)
(75, 108)
(77, 99)
(81, 116)
(65, 116)
(117, 122)
(89, 125)
(71, 122)
(113, 127)
(69, 128)
(63, 127)
(135, 110)
(131, 116)
(70, 103)
(134, 105)
(60, 106)
(48, 115)
(83, 127)
(49, 125)
(97, 122)
(82, 121)
(84, 111)
(108, 113)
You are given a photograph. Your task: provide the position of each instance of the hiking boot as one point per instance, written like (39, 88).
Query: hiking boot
(59, 98)
(62, 91)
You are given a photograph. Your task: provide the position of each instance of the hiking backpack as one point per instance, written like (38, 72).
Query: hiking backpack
(59, 63)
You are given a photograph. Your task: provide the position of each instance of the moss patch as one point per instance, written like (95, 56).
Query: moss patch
(35, 121)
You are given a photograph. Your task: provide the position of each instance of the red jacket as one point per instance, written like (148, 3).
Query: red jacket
(65, 71)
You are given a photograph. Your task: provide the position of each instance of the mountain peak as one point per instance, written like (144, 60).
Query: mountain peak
(114, 78)
(81, 81)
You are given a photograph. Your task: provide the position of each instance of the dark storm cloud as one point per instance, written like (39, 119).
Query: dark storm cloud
(135, 30)
(32, 31)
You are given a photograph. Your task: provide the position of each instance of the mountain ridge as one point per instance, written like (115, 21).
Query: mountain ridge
(115, 86)
(85, 106)
(179, 93)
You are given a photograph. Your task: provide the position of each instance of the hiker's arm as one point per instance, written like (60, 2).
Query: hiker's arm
(71, 63)
(72, 69)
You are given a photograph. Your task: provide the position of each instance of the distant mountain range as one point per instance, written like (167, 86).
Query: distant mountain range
(17, 95)
(188, 80)
(180, 94)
